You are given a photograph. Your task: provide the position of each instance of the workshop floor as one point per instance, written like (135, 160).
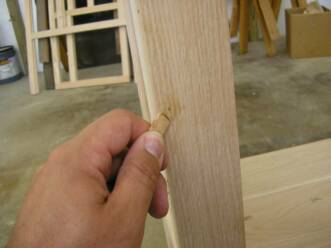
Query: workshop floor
(281, 103)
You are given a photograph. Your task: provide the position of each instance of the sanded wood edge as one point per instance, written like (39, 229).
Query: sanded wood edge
(138, 77)
(146, 102)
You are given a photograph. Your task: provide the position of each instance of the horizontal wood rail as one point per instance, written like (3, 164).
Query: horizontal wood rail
(94, 9)
(79, 29)
(93, 82)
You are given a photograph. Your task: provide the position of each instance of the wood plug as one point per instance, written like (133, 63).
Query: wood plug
(160, 124)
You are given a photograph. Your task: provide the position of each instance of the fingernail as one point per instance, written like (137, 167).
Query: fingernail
(153, 143)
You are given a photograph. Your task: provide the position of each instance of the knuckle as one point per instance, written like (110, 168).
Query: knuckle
(57, 154)
(145, 172)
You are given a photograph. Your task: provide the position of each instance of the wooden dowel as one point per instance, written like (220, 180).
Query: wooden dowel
(160, 124)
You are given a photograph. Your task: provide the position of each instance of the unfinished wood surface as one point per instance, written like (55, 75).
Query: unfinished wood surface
(269, 19)
(124, 45)
(287, 197)
(18, 26)
(71, 46)
(93, 82)
(138, 77)
(276, 4)
(42, 22)
(254, 32)
(234, 23)
(55, 44)
(294, 3)
(187, 68)
(61, 21)
(270, 47)
(79, 28)
(90, 3)
(244, 26)
(302, 3)
(31, 49)
(49, 76)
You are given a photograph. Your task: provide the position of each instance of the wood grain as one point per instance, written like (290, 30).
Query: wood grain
(294, 4)
(42, 22)
(244, 26)
(92, 82)
(55, 44)
(31, 49)
(276, 5)
(186, 64)
(302, 3)
(235, 15)
(270, 47)
(71, 45)
(287, 197)
(269, 19)
(79, 29)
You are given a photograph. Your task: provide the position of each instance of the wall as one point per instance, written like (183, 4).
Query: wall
(7, 34)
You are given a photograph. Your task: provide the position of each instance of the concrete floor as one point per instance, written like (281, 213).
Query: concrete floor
(280, 103)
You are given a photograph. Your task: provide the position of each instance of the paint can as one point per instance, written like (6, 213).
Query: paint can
(10, 69)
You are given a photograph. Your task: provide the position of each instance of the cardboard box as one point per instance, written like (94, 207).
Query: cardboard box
(308, 35)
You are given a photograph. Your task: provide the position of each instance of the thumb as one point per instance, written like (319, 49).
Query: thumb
(138, 177)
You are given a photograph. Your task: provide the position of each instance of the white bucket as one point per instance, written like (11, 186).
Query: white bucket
(10, 70)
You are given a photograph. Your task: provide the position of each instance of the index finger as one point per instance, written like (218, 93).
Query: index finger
(105, 138)
(114, 131)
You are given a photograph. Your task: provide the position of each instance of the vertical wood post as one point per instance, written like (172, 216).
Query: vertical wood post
(31, 49)
(185, 58)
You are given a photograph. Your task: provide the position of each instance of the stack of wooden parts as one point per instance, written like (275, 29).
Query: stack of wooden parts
(299, 3)
(314, 8)
(267, 12)
(61, 14)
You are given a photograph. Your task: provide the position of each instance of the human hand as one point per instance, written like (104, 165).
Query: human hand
(69, 204)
